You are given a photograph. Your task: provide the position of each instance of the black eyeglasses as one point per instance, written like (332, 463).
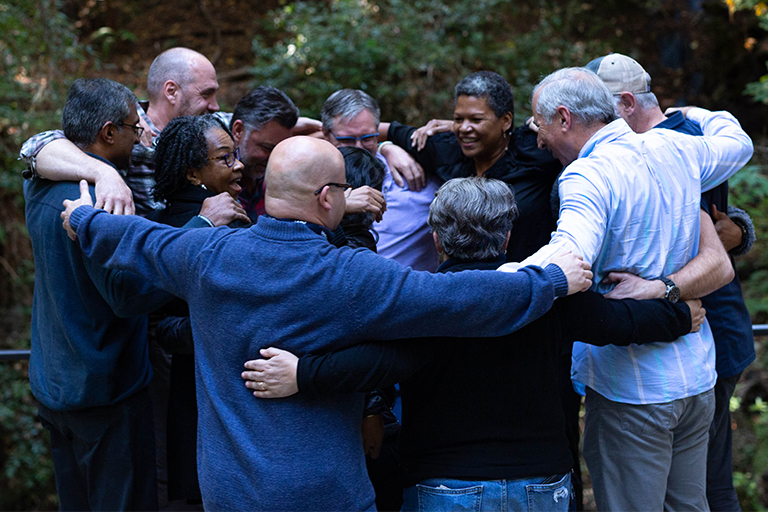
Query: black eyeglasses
(366, 140)
(345, 186)
(138, 130)
(229, 158)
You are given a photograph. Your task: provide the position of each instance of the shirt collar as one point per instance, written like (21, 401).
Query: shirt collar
(605, 135)
(97, 157)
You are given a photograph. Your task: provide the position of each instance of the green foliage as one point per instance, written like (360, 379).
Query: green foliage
(749, 190)
(758, 90)
(410, 54)
(39, 54)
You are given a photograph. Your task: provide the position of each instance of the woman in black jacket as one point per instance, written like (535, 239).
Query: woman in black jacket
(195, 159)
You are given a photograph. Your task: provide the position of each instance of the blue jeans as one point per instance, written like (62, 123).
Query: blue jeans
(527, 494)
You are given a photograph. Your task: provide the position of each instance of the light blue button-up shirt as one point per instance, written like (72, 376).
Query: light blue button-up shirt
(630, 202)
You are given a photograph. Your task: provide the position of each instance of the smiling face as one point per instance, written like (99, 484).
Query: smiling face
(479, 131)
(199, 96)
(216, 175)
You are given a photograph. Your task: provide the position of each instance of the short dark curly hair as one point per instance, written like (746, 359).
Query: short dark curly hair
(491, 86)
(182, 146)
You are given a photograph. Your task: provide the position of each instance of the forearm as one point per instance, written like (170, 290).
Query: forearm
(728, 148)
(499, 305)
(709, 270)
(383, 132)
(362, 368)
(591, 318)
(61, 160)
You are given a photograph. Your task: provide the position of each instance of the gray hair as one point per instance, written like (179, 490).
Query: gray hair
(491, 86)
(90, 104)
(173, 64)
(581, 91)
(471, 217)
(346, 104)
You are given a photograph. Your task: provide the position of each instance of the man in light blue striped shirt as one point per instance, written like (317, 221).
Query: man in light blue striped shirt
(630, 202)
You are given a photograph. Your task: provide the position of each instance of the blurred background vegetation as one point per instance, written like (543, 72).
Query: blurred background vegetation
(408, 55)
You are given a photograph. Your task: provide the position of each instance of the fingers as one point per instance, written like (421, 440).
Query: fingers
(718, 215)
(397, 177)
(270, 352)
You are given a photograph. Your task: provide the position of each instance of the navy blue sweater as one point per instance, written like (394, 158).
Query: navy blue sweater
(88, 347)
(305, 295)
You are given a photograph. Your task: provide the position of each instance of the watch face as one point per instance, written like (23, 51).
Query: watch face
(673, 293)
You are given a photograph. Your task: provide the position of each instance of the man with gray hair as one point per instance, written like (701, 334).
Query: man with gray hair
(351, 118)
(630, 202)
(726, 312)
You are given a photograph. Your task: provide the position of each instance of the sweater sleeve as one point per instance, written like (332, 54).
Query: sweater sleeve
(430, 157)
(121, 242)
(400, 304)
(363, 367)
(591, 318)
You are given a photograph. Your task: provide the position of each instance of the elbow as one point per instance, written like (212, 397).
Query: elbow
(727, 273)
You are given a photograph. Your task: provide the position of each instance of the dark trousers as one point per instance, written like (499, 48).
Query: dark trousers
(104, 457)
(721, 494)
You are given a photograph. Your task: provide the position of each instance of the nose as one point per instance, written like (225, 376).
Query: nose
(359, 144)
(213, 105)
(465, 126)
(539, 142)
(238, 165)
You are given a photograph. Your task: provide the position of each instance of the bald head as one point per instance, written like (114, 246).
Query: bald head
(177, 64)
(297, 168)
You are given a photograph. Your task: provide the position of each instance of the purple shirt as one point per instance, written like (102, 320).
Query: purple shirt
(404, 235)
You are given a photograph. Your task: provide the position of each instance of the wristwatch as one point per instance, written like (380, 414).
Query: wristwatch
(673, 292)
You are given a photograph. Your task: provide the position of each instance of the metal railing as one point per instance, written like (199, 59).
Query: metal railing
(19, 355)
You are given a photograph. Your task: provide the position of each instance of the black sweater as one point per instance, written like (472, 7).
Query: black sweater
(488, 408)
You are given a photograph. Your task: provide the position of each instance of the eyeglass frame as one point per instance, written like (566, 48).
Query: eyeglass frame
(345, 186)
(235, 152)
(353, 140)
(137, 129)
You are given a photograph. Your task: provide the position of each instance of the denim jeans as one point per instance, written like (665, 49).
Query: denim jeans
(527, 494)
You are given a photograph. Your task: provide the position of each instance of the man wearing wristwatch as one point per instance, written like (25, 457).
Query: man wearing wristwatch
(631, 202)
(726, 312)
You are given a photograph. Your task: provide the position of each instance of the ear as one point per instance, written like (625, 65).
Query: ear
(506, 242)
(627, 103)
(507, 118)
(193, 175)
(324, 199)
(238, 132)
(171, 91)
(563, 118)
(108, 132)
(438, 245)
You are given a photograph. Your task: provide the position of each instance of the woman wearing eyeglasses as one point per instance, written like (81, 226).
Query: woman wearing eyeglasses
(195, 158)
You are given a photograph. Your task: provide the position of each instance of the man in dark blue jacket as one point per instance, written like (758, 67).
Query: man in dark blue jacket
(89, 366)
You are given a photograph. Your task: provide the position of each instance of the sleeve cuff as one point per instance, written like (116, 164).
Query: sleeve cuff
(80, 214)
(558, 279)
(743, 220)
